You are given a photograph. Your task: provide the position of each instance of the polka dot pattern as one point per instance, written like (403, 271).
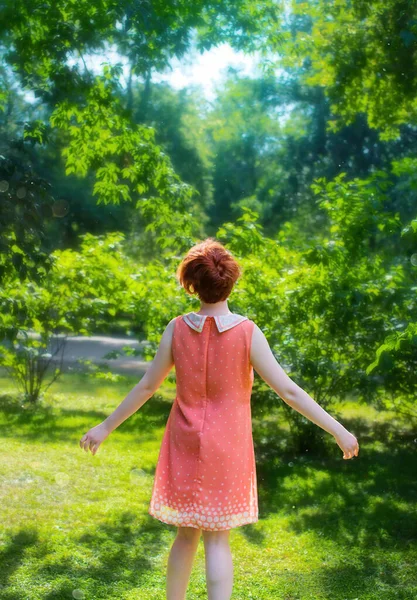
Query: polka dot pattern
(206, 474)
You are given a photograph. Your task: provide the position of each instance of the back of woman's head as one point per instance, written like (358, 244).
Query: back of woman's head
(208, 270)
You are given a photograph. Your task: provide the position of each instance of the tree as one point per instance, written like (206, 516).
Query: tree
(82, 291)
(363, 54)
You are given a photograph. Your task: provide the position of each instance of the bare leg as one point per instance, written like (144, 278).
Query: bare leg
(180, 562)
(219, 564)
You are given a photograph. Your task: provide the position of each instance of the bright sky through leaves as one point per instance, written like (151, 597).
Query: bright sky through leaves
(206, 70)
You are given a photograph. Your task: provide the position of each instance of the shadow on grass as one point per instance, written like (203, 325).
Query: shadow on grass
(104, 561)
(367, 501)
(45, 423)
(374, 578)
(12, 557)
(365, 506)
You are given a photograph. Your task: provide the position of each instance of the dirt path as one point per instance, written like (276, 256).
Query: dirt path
(95, 347)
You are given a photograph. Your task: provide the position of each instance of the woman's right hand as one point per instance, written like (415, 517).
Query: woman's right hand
(348, 443)
(94, 438)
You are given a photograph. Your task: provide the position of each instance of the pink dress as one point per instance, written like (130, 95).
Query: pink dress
(206, 475)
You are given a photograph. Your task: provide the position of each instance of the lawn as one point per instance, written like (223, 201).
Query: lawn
(76, 526)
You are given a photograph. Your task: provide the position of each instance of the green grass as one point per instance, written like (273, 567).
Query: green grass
(76, 525)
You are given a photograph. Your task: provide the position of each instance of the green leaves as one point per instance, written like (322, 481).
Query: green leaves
(245, 236)
(364, 58)
(126, 163)
(356, 207)
(36, 132)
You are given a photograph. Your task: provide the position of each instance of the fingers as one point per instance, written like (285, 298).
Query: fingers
(88, 443)
(85, 442)
(351, 453)
(93, 446)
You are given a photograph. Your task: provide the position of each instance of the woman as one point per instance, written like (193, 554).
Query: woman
(205, 479)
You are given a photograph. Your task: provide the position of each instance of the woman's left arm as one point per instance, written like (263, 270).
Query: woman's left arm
(136, 398)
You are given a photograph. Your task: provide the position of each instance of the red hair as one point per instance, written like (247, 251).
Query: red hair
(208, 270)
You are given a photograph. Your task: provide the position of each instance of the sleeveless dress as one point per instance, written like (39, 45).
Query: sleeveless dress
(205, 474)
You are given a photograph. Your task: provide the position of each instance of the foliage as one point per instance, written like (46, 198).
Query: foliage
(41, 41)
(100, 372)
(337, 306)
(242, 133)
(128, 166)
(29, 359)
(179, 120)
(396, 357)
(28, 363)
(364, 56)
(41, 38)
(324, 305)
(26, 201)
(257, 162)
(79, 295)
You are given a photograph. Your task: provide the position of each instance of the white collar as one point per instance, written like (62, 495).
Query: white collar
(223, 322)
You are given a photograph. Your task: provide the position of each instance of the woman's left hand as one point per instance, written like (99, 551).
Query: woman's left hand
(94, 438)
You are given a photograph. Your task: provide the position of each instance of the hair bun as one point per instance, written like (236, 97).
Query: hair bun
(209, 270)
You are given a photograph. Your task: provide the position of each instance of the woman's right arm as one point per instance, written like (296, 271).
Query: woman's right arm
(266, 365)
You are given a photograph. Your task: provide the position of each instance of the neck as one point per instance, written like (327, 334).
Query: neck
(215, 309)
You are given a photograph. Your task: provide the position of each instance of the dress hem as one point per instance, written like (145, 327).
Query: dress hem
(195, 525)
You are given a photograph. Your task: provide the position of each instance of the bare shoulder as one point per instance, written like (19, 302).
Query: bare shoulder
(169, 331)
(267, 366)
(259, 340)
(171, 325)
